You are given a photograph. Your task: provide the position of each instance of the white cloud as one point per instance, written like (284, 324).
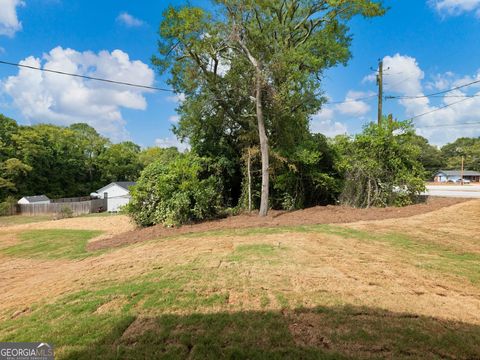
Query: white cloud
(9, 23)
(174, 119)
(223, 66)
(46, 97)
(456, 7)
(406, 80)
(354, 107)
(468, 79)
(402, 75)
(129, 20)
(177, 98)
(441, 81)
(323, 123)
(172, 142)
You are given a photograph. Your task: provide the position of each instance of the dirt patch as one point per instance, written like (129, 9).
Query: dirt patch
(113, 306)
(137, 328)
(356, 332)
(21, 312)
(311, 216)
(306, 331)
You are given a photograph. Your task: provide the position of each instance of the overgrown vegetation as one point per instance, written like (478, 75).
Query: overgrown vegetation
(381, 166)
(251, 72)
(175, 192)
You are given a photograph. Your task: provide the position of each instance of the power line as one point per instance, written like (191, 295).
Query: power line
(139, 85)
(433, 94)
(351, 100)
(87, 77)
(449, 125)
(456, 96)
(437, 109)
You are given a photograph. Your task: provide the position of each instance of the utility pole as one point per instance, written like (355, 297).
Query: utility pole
(380, 92)
(463, 161)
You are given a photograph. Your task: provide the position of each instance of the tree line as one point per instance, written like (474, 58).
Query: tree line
(65, 161)
(360, 170)
(251, 73)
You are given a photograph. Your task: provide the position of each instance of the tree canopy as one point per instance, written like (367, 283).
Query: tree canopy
(254, 67)
(65, 161)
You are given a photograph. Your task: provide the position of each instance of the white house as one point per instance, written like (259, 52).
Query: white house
(37, 199)
(117, 193)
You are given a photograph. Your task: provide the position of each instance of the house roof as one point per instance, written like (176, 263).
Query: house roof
(123, 184)
(36, 198)
(459, 173)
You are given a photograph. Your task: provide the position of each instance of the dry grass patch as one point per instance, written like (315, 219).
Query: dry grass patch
(364, 290)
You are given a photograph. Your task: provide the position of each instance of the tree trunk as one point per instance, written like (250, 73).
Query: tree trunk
(249, 174)
(263, 144)
(261, 126)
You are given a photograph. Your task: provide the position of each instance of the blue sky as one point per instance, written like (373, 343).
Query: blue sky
(428, 46)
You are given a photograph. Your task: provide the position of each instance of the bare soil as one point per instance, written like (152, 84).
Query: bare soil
(311, 216)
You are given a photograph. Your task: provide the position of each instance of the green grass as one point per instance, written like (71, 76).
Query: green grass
(167, 317)
(180, 311)
(254, 252)
(101, 214)
(53, 244)
(19, 219)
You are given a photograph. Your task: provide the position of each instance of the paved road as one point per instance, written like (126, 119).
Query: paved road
(466, 191)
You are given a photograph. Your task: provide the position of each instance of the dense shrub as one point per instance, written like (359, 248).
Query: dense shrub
(7, 205)
(381, 166)
(65, 212)
(308, 177)
(175, 192)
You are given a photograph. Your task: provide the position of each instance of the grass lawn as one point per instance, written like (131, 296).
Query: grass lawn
(19, 219)
(52, 244)
(304, 292)
(160, 316)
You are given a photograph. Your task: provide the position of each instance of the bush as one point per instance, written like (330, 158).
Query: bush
(65, 212)
(175, 193)
(7, 205)
(381, 166)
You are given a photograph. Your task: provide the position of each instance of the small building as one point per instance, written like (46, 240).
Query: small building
(117, 194)
(37, 199)
(444, 176)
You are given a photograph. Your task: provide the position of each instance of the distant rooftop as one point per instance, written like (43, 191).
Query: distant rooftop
(459, 173)
(36, 198)
(123, 184)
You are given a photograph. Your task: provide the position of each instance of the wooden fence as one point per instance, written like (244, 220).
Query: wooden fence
(9, 210)
(78, 208)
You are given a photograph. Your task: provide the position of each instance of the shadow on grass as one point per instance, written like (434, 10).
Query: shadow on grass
(320, 333)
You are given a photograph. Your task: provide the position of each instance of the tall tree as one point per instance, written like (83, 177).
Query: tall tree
(92, 145)
(430, 156)
(280, 48)
(120, 162)
(468, 148)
